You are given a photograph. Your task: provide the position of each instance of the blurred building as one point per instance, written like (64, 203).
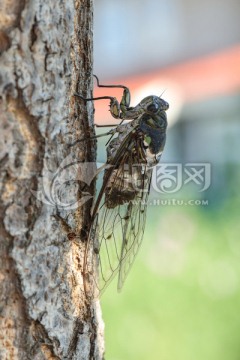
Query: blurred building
(190, 50)
(134, 36)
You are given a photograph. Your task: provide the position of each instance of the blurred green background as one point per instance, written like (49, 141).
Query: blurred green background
(181, 300)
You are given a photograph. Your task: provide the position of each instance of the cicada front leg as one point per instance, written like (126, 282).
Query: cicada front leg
(118, 110)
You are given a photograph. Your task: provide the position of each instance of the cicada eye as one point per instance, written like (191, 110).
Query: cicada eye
(153, 108)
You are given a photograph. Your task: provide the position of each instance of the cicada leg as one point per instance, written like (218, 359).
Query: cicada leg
(117, 110)
(91, 138)
(114, 104)
(126, 98)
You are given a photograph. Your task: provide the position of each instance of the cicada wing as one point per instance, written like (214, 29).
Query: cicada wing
(111, 225)
(134, 229)
(120, 232)
(119, 216)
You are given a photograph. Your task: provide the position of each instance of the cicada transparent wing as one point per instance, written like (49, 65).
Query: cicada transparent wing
(119, 214)
(120, 234)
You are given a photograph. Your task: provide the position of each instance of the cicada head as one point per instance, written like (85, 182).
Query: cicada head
(153, 105)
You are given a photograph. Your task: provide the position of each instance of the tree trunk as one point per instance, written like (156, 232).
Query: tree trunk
(46, 56)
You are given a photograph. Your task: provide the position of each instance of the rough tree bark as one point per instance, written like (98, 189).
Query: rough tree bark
(46, 56)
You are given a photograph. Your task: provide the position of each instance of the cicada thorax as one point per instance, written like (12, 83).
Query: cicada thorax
(127, 179)
(154, 129)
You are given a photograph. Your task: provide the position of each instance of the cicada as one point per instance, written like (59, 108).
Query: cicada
(119, 213)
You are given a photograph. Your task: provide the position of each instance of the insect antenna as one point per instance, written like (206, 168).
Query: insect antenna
(163, 92)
